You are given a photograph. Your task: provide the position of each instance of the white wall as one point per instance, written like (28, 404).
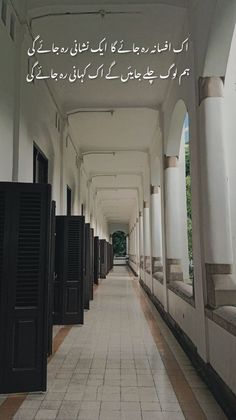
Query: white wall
(7, 89)
(222, 350)
(37, 125)
(123, 227)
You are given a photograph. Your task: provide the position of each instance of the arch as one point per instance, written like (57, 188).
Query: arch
(178, 145)
(175, 131)
(220, 37)
(114, 227)
(119, 243)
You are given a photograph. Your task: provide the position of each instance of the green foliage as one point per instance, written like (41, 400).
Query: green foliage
(187, 160)
(189, 209)
(119, 244)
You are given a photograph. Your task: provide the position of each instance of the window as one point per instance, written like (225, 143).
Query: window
(68, 199)
(4, 12)
(40, 167)
(12, 26)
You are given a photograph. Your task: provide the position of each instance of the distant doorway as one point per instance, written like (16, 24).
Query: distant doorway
(119, 244)
(68, 201)
(119, 248)
(40, 167)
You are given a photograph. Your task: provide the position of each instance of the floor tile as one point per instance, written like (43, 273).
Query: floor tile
(111, 367)
(44, 414)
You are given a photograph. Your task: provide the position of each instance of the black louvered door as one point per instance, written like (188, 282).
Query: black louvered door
(69, 270)
(57, 282)
(109, 257)
(96, 259)
(24, 274)
(91, 262)
(103, 258)
(87, 277)
(51, 276)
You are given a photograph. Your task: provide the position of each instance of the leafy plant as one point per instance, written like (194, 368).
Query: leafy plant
(119, 244)
(189, 209)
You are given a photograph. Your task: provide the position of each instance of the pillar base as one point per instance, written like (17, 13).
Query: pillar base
(157, 269)
(147, 264)
(174, 270)
(141, 262)
(221, 288)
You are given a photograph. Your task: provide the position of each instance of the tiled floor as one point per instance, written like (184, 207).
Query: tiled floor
(111, 368)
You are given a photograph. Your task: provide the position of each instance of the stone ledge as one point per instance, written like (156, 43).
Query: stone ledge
(221, 286)
(225, 317)
(225, 289)
(183, 290)
(158, 276)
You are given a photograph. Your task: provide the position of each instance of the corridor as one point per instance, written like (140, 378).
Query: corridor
(117, 146)
(111, 368)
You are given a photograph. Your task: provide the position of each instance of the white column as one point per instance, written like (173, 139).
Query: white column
(215, 197)
(147, 244)
(127, 245)
(137, 246)
(156, 235)
(172, 212)
(134, 233)
(141, 246)
(131, 241)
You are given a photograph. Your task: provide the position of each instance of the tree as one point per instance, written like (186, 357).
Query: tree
(189, 208)
(119, 244)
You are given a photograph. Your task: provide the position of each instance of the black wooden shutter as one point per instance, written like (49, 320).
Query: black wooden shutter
(87, 285)
(107, 254)
(110, 256)
(68, 292)
(91, 262)
(58, 275)
(103, 250)
(24, 272)
(51, 276)
(96, 259)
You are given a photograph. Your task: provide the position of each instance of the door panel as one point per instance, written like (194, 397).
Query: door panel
(91, 262)
(87, 285)
(51, 276)
(96, 260)
(68, 290)
(24, 274)
(103, 258)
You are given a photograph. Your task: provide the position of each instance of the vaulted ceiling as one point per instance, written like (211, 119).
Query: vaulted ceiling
(107, 115)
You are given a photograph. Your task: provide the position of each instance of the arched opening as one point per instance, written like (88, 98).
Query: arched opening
(179, 197)
(119, 244)
(185, 201)
(188, 191)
